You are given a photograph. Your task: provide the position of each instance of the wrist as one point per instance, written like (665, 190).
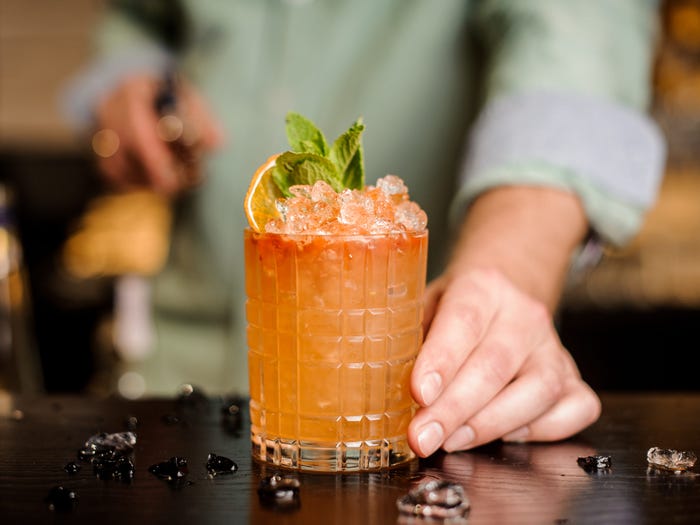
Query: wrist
(526, 233)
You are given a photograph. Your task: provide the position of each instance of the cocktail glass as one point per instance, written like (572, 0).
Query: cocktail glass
(334, 327)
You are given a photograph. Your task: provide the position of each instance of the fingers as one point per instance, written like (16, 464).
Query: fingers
(144, 158)
(492, 366)
(462, 318)
(524, 400)
(208, 130)
(577, 410)
(115, 169)
(485, 373)
(577, 407)
(525, 411)
(548, 402)
(155, 156)
(141, 158)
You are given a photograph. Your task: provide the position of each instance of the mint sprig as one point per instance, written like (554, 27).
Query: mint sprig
(304, 136)
(346, 154)
(311, 160)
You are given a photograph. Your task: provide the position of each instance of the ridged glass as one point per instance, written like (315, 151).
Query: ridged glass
(334, 327)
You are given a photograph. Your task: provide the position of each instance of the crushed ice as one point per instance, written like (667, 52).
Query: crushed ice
(217, 465)
(671, 460)
(435, 499)
(594, 463)
(279, 492)
(318, 209)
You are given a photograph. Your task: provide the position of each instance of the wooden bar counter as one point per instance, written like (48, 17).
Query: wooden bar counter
(529, 483)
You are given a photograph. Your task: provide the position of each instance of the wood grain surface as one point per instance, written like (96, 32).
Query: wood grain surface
(537, 483)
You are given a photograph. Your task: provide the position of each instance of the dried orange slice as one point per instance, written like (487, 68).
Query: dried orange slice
(261, 196)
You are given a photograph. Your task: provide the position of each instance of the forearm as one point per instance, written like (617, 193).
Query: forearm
(526, 233)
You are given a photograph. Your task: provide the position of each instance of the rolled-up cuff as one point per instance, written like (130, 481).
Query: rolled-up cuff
(612, 157)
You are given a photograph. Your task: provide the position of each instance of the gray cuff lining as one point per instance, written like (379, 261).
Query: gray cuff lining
(616, 149)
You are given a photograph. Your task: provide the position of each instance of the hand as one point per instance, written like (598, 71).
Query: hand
(142, 157)
(492, 366)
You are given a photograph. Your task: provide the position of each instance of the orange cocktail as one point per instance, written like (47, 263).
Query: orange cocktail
(334, 326)
(335, 273)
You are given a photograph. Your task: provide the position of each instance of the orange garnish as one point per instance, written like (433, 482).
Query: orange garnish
(261, 196)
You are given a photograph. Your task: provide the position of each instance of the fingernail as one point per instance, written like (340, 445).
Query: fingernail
(430, 387)
(429, 438)
(517, 436)
(460, 439)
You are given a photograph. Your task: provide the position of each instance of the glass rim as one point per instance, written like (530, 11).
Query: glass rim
(251, 232)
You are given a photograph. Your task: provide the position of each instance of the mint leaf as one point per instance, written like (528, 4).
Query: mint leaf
(304, 168)
(354, 177)
(304, 136)
(346, 154)
(311, 160)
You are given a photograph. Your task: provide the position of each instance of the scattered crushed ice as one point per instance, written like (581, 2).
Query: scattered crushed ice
(435, 499)
(279, 492)
(217, 465)
(121, 441)
(669, 459)
(594, 463)
(172, 470)
(72, 467)
(62, 499)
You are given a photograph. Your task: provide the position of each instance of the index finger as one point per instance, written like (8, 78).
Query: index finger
(463, 316)
(155, 156)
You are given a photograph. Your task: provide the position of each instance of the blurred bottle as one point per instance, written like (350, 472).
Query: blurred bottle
(19, 365)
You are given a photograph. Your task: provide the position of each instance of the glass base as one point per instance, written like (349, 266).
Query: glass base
(326, 457)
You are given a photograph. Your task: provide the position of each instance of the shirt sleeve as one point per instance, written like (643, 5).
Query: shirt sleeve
(566, 86)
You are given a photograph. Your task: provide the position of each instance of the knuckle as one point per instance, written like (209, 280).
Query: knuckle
(551, 383)
(497, 368)
(496, 277)
(539, 326)
(538, 313)
(592, 405)
(451, 413)
(480, 278)
(488, 277)
(469, 319)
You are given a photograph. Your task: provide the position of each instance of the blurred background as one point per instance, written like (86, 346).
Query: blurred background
(632, 322)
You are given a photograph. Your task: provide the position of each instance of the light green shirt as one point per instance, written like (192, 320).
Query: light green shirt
(418, 72)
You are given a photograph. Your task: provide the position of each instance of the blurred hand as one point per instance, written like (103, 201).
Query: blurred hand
(492, 366)
(142, 157)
